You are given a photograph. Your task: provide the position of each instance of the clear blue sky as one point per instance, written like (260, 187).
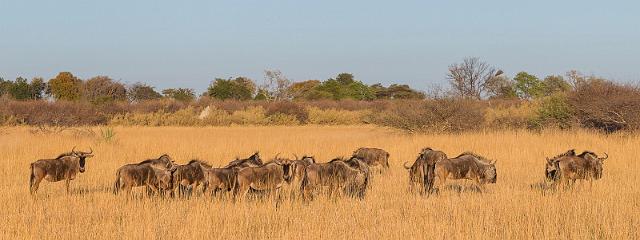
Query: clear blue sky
(188, 43)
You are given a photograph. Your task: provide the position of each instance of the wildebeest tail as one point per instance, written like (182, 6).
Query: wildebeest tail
(558, 172)
(429, 176)
(32, 177)
(117, 184)
(386, 163)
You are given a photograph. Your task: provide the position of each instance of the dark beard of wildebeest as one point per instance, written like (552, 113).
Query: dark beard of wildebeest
(64, 167)
(189, 176)
(374, 157)
(569, 168)
(252, 161)
(421, 173)
(155, 174)
(337, 176)
(550, 169)
(466, 166)
(269, 177)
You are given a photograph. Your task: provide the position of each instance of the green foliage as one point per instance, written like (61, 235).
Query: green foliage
(139, 92)
(65, 86)
(553, 111)
(528, 86)
(261, 95)
(344, 86)
(180, 94)
(37, 88)
(20, 89)
(395, 91)
(240, 88)
(555, 84)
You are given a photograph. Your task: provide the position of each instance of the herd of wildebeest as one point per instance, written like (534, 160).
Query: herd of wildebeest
(304, 177)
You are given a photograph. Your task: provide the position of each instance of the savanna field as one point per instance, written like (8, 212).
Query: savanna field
(518, 206)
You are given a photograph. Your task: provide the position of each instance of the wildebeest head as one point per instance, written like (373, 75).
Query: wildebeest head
(490, 175)
(82, 156)
(287, 169)
(596, 163)
(168, 162)
(550, 169)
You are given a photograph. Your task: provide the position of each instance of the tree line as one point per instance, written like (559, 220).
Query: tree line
(469, 79)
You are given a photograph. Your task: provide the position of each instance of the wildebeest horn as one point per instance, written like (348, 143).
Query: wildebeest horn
(405, 165)
(90, 151)
(605, 156)
(277, 156)
(73, 150)
(494, 162)
(296, 156)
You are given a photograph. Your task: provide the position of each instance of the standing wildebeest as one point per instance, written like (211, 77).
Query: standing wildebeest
(189, 176)
(252, 161)
(550, 167)
(336, 175)
(569, 168)
(466, 166)
(218, 179)
(298, 167)
(375, 157)
(268, 177)
(422, 172)
(152, 173)
(65, 167)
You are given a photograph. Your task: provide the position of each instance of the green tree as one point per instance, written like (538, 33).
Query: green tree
(304, 89)
(528, 86)
(139, 92)
(345, 86)
(65, 86)
(240, 88)
(37, 88)
(180, 94)
(20, 89)
(395, 91)
(101, 89)
(555, 84)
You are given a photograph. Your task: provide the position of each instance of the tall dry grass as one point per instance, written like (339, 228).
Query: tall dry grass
(510, 209)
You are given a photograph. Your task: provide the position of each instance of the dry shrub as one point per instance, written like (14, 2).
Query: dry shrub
(283, 119)
(250, 116)
(509, 114)
(184, 117)
(337, 117)
(60, 113)
(440, 115)
(288, 108)
(217, 117)
(606, 106)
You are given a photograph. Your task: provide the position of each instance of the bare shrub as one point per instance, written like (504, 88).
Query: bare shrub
(288, 108)
(440, 115)
(605, 105)
(337, 116)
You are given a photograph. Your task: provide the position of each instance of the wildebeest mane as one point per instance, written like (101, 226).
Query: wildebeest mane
(583, 154)
(479, 157)
(201, 162)
(67, 154)
(570, 152)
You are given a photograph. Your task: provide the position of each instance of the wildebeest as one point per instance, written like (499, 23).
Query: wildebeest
(219, 179)
(153, 173)
(64, 167)
(189, 176)
(268, 177)
(550, 166)
(252, 161)
(375, 157)
(335, 175)
(466, 166)
(298, 167)
(422, 171)
(569, 168)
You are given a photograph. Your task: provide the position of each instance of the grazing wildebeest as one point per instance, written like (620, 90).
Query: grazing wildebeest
(466, 166)
(189, 176)
(336, 175)
(375, 157)
(422, 171)
(586, 166)
(219, 179)
(268, 177)
(64, 167)
(550, 167)
(360, 185)
(252, 161)
(151, 173)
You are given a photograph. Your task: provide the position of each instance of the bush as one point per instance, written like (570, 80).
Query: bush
(441, 115)
(250, 116)
(553, 111)
(509, 114)
(606, 106)
(337, 117)
(288, 108)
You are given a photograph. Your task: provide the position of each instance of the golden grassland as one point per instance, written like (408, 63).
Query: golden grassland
(514, 208)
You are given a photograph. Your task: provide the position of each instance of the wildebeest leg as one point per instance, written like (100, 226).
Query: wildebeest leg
(67, 182)
(35, 184)
(154, 189)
